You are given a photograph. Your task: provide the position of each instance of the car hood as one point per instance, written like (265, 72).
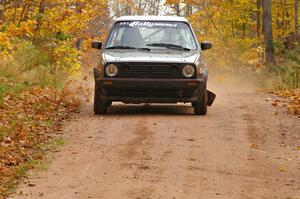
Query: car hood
(165, 56)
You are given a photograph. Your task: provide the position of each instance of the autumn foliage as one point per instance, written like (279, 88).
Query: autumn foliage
(51, 26)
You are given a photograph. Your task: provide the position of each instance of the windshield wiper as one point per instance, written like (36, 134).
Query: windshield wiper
(170, 46)
(127, 47)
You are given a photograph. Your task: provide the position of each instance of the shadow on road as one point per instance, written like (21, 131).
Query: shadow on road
(153, 109)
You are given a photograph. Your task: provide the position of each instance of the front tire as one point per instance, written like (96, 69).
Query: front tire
(99, 106)
(200, 108)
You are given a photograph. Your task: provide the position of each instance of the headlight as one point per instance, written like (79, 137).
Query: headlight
(188, 71)
(111, 70)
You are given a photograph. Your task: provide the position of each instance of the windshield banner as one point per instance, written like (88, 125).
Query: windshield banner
(149, 24)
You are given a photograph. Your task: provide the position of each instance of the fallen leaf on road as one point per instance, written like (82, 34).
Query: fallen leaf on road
(281, 169)
(275, 103)
(292, 101)
(221, 79)
(31, 184)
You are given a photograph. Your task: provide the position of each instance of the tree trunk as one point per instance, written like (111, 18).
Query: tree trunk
(268, 34)
(296, 16)
(258, 18)
(244, 31)
(2, 12)
(156, 7)
(23, 12)
(41, 12)
(177, 9)
(188, 10)
(15, 11)
(39, 20)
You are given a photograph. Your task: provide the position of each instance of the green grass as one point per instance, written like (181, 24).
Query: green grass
(4, 132)
(288, 70)
(284, 74)
(21, 172)
(289, 76)
(54, 144)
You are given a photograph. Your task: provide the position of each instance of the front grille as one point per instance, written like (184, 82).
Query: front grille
(150, 70)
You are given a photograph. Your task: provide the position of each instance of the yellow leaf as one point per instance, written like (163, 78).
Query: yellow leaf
(221, 79)
(281, 169)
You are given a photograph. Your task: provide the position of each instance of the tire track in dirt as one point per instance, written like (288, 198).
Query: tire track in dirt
(137, 158)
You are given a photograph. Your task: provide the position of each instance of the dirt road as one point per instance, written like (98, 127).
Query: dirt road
(240, 150)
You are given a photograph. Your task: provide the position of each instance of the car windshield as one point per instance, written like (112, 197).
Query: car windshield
(151, 34)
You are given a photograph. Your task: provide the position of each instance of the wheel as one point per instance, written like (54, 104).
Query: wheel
(99, 106)
(200, 108)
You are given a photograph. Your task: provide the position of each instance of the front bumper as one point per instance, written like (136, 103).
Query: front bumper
(134, 90)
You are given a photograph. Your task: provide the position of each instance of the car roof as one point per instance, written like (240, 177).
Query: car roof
(151, 18)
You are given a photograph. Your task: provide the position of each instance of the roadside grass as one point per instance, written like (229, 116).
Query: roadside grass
(22, 172)
(54, 144)
(287, 68)
(3, 132)
(283, 79)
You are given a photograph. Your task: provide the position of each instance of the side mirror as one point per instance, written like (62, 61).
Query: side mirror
(97, 45)
(206, 45)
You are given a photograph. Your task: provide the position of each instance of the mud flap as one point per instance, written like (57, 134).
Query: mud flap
(210, 98)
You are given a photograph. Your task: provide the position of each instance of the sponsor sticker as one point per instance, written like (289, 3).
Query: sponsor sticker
(149, 24)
